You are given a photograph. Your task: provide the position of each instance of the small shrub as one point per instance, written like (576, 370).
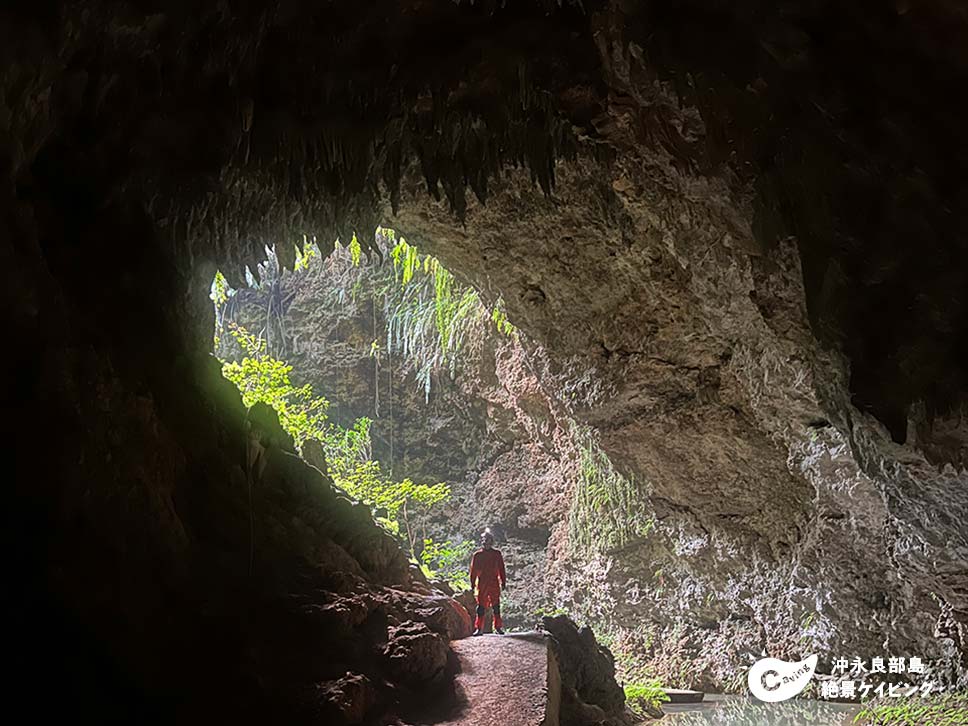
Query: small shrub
(448, 561)
(647, 694)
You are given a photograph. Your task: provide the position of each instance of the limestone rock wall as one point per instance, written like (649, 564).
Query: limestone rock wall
(786, 518)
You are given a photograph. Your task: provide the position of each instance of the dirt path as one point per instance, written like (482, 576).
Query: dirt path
(504, 681)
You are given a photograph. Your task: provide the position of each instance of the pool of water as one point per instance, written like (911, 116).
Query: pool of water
(739, 711)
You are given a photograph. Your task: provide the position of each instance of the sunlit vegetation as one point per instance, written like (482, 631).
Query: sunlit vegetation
(220, 297)
(940, 710)
(607, 511)
(262, 378)
(646, 695)
(448, 561)
(401, 506)
(429, 313)
(549, 611)
(428, 319)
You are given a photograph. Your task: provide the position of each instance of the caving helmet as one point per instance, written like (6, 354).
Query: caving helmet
(487, 538)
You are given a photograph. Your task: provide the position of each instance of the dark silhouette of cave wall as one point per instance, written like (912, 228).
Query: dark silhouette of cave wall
(144, 144)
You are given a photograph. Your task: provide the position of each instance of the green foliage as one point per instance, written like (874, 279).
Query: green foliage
(219, 294)
(406, 260)
(452, 302)
(220, 290)
(264, 379)
(608, 510)
(631, 650)
(305, 255)
(941, 710)
(648, 693)
(403, 506)
(428, 325)
(356, 251)
(429, 313)
(500, 319)
(448, 561)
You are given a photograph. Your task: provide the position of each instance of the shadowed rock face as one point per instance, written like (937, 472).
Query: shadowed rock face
(589, 691)
(749, 278)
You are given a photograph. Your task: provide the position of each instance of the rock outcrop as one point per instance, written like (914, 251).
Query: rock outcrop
(417, 655)
(590, 694)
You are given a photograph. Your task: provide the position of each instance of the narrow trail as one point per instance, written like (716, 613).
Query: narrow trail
(506, 680)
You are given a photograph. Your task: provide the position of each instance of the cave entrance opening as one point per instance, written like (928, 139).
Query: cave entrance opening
(361, 358)
(419, 397)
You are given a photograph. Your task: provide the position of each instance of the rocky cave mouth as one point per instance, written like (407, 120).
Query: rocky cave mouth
(420, 400)
(709, 266)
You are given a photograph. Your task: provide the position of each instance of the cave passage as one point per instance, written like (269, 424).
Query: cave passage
(670, 294)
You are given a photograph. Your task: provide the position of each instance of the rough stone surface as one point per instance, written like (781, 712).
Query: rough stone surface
(352, 697)
(505, 681)
(417, 655)
(589, 691)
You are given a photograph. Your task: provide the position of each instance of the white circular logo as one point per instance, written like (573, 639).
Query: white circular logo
(773, 680)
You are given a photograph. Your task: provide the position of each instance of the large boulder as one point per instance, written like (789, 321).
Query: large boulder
(417, 656)
(348, 699)
(590, 693)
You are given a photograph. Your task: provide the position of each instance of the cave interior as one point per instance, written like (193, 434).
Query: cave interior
(732, 235)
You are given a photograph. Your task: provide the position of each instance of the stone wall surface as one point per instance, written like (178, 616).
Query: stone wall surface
(787, 520)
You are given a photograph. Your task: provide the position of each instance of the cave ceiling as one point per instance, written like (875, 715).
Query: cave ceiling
(230, 125)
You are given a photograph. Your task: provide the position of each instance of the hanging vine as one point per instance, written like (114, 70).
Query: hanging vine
(429, 313)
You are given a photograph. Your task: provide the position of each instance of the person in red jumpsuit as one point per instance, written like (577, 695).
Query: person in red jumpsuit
(488, 577)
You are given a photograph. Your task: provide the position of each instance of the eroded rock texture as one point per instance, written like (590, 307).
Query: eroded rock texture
(787, 519)
(748, 276)
(589, 693)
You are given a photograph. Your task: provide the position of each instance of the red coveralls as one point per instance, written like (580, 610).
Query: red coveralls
(488, 576)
